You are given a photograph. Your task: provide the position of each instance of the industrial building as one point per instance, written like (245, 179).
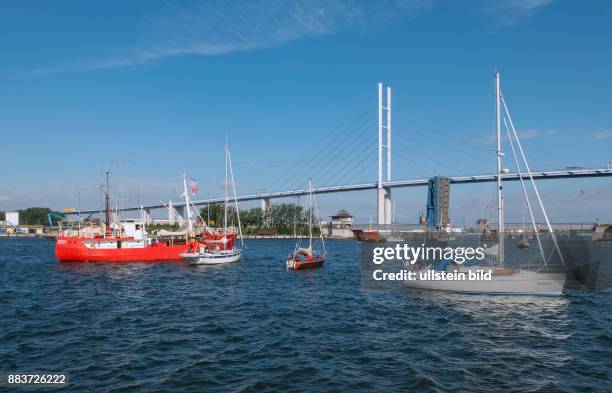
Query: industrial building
(7, 229)
(438, 197)
(10, 226)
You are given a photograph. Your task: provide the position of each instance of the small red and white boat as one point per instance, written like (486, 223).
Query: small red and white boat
(304, 259)
(307, 258)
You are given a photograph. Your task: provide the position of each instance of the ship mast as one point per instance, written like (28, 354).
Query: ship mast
(499, 154)
(187, 202)
(226, 198)
(107, 206)
(231, 173)
(310, 215)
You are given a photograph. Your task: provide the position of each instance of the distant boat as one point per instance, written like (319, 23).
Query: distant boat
(307, 258)
(368, 235)
(219, 247)
(504, 280)
(523, 243)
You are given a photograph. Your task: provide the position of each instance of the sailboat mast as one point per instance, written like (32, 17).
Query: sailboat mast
(295, 212)
(310, 214)
(226, 198)
(231, 173)
(107, 206)
(187, 201)
(500, 198)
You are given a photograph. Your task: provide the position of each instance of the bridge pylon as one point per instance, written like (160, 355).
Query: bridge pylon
(383, 198)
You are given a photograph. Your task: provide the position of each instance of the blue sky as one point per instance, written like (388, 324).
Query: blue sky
(148, 89)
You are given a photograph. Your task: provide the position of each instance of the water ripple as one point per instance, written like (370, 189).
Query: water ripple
(255, 327)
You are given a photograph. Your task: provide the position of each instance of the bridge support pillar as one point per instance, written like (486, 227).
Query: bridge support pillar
(384, 206)
(146, 216)
(388, 208)
(171, 214)
(265, 211)
(181, 216)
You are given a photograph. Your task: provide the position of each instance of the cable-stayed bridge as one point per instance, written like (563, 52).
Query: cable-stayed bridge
(267, 196)
(358, 143)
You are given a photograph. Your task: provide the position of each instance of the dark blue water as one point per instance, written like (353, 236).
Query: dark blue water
(254, 326)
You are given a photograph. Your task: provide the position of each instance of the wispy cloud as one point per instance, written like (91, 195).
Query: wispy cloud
(601, 135)
(535, 133)
(511, 12)
(524, 134)
(219, 27)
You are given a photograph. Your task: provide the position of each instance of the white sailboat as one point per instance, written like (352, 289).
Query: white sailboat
(504, 280)
(224, 249)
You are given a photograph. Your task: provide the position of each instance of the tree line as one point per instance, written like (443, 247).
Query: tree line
(282, 219)
(33, 216)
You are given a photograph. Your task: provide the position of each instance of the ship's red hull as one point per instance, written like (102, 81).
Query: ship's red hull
(368, 235)
(308, 264)
(73, 249)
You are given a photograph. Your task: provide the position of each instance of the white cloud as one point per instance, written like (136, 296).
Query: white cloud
(601, 135)
(534, 133)
(524, 134)
(214, 28)
(510, 12)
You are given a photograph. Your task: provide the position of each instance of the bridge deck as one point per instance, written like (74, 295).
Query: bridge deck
(392, 184)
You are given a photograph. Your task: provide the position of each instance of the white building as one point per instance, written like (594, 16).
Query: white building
(341, 225)
(12, 218)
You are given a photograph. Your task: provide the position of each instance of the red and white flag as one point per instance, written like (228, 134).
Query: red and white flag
(193, 184)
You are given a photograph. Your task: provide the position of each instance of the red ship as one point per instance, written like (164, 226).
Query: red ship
(113, 249)
(131, 247)
(128, 240)
(368, 235)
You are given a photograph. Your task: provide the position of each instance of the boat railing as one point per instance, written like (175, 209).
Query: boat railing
(230, 230)
(85, 231)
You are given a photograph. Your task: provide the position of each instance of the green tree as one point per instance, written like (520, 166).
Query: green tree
(35, 216)
(215, 212)
(282, 218)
